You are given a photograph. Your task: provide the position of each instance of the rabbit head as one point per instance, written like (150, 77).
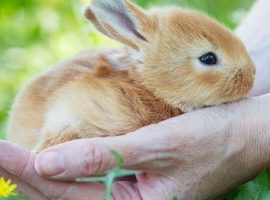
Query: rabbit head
(184, 57)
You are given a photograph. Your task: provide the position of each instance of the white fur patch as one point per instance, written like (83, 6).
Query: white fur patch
(59, 117)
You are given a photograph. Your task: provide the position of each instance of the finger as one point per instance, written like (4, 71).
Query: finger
(10, 154)
(26, 190)
(148, 148)
(90, 191)
(20, 163)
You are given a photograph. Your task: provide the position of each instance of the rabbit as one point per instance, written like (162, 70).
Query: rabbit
(174, 61)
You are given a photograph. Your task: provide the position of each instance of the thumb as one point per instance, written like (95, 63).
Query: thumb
(145, 149)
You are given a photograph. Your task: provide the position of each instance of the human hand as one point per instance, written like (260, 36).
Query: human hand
(17, 164)
(198, 155)
(258, 43)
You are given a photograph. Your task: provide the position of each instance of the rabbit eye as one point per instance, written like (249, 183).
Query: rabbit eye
(209, 59)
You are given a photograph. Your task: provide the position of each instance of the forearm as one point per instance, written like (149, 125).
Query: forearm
(252, 130)
(236, 145)
(257, 127)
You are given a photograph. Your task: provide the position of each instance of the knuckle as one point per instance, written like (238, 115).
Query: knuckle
(95, 159)
(25, 167)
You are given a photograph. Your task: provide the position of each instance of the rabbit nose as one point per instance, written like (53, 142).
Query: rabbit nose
(245, 77)
(249, 76)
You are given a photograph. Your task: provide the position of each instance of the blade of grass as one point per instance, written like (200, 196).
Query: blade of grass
(91, 179)
(118, 158)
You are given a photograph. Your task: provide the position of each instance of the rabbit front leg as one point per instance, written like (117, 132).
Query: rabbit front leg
(51, 139)
(67, 133)
(60, 130)
(60, 125)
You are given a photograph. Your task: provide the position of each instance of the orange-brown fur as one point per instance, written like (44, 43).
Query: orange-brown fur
(113, 92)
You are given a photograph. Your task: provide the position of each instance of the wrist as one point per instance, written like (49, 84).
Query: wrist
(255, 133)
(263, 132)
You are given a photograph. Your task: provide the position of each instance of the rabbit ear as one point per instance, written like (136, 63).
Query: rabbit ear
(90, 16)
(120, 20)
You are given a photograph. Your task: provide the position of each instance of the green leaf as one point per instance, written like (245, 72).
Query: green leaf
(175, 198)
(257, 189)
(230, 195)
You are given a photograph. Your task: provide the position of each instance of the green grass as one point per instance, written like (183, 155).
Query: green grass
(14, 197)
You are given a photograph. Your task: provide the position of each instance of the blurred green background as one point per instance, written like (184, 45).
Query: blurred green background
(35, 34)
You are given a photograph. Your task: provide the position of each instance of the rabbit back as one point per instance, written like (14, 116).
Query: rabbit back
(87, 96)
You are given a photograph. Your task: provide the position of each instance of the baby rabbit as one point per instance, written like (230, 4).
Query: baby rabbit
(175, 61)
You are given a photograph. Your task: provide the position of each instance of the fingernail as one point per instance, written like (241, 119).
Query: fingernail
(50, 163)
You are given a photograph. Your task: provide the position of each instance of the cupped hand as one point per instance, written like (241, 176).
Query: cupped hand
(17, 164)
(198, 155)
